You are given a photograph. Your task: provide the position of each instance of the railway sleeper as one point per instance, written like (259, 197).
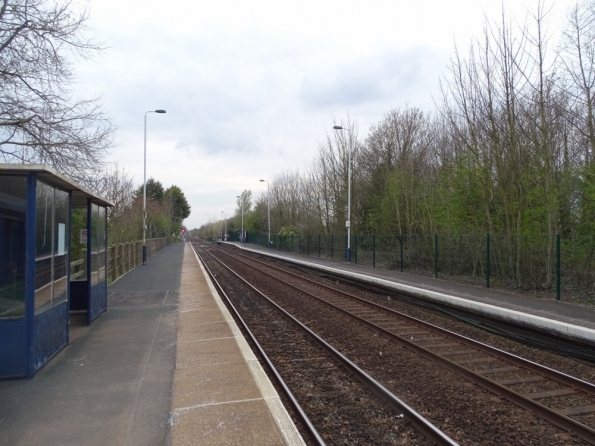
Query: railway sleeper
(581, 410)
(552, 393)
(527, 379)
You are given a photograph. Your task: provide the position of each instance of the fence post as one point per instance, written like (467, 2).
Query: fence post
(355, 250)
(488, 261)
(319, 246)
(401, 246)
(121, 259)
(558, 267)
(111, 260)
(114, 262)
(119, 271)
(374, 251)
(436, 255)
(332, 246)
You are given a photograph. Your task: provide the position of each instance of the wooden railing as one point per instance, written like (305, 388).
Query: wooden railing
(125, 257)
(77, 269)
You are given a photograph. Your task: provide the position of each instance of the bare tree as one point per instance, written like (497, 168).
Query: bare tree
(579, 63)
(40, 121)
(116, 185)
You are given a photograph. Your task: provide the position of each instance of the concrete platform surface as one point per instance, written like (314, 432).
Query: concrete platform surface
(221, 394)
(112, 384)
(165, 365)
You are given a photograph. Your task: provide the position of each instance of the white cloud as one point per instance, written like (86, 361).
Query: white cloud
(251, 87)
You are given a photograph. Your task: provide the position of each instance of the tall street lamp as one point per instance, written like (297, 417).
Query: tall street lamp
(241, 197)
(221, 227)
(268, 208)
(348, 222)
(145, 190)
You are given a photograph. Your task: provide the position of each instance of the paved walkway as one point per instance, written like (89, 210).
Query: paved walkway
(221, 394)
(149, 373)
(111, 385)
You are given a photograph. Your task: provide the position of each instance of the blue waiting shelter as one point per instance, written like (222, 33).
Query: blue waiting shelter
(53, 261)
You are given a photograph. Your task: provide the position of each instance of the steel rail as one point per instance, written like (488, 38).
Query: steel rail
(554, 417)
(569, 380)
(430, 431)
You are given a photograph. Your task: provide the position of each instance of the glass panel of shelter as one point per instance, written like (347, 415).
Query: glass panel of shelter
(51, 247)
(44, 203)
(60, 233)
(13, 206)
(94, 244)
(101, 243)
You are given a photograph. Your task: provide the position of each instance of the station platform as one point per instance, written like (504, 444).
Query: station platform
(559, 317)
(165, 365)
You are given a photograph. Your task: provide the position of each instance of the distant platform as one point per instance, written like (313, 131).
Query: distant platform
(567, 320)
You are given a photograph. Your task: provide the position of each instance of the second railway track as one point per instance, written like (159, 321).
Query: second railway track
(558, 398)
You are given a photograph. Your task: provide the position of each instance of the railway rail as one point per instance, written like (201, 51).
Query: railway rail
(318, 362)
(561, 399)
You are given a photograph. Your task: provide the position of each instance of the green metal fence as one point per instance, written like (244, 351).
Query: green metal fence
(551, 266)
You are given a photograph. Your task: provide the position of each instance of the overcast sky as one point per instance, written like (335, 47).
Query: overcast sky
(251, 87)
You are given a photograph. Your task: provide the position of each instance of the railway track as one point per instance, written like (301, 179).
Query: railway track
(562, 400)
(340, 384)
(334, 386)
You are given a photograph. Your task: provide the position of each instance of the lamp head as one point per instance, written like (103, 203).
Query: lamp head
(160, 111)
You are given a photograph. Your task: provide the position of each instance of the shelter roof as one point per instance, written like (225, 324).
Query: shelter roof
(51, 176)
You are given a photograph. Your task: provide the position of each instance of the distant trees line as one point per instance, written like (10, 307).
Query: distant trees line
(509, 150)
(166, 208)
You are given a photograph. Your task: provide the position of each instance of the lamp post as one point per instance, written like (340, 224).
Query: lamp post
(145, 190)
(221, 228)
(241, 197)
(348, 222)
(268, 208)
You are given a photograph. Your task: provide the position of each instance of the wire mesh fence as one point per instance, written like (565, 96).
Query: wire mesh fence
(549, 266)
